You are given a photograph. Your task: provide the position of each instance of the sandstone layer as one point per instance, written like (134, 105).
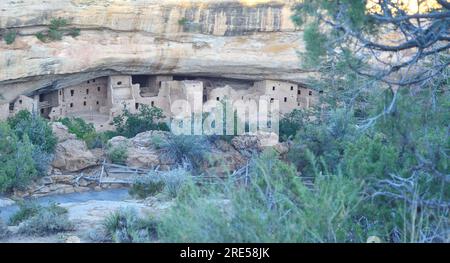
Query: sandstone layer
(247, 39)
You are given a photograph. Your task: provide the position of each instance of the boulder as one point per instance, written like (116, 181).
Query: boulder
(62, 132)
(73, 155)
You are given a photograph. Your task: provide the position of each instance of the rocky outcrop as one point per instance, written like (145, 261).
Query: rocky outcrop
(73, 155)
(62, 132)
(217, 38)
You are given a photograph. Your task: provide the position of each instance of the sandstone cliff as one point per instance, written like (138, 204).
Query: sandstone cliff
(249, 39)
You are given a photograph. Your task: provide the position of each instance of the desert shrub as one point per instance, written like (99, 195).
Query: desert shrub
(41, 36)
(117, 154)
(57, 23)
(183, 21)
(46, 222)
(86, 132)
(125, 226)
(148, 185)
(36, 128)
(187, 149)
(55, 34)
(174, 181)
(148, 118)
(10, 37)
(74, 32)
(17, 167)
(275, 206)
(4, 232)
(290, 124)
(170, 182)
(41, 220)
(29, 209)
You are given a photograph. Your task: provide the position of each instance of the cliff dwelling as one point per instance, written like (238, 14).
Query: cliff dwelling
(99, 100)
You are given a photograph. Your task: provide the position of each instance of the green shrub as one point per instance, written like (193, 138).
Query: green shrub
(147, 119)
(10, 37)
(46, 222)
(41, 220)
(186, 149)
(125, 226)
(170, 182)
(148, 185)
(174, 181)
(29, 209)
(36, 128)
(57, 23)
(275, 206)
(74, 32)
(86, 132)
(17, 167)
(290, 124)
(54, 34)
(183, 21)
(117, 154)
(41, 36)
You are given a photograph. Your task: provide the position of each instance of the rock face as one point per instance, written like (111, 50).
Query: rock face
(217, 38)
(73, 155)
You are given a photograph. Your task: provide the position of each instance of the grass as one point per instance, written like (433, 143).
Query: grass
(125, 226)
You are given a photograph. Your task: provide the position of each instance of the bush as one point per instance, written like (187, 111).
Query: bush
(17, 167)
(26, 211)
(10, 37)
(170, 182)
(46, 222)
(275, 206)
(86, 132)
(117, 154)
(40, 220)
(186, 149)
(125, 226)
(41, 36)
(57, 23)
(36, 128)
(290, 124)
(74, 32)
(147, 119)
(29, 209)
(148, 185)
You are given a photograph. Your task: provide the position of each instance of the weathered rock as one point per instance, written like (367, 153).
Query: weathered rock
(63, 179)
(73, 155)
(62, 132)
(226, 38)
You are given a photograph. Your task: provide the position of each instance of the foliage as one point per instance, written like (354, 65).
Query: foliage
(18, 167)
(148, 118)
(29, 209)
(183, 21)
(170, 182)
(36, 128)
(185, 149)
(125, 226)
(46, 222)
(291, 123)
(56, 30)
(10, 37)
(86, 132)
(117, 154)
(149, 185)
(275, 206)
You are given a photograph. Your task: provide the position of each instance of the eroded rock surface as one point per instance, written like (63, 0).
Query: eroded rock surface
(217, 38)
